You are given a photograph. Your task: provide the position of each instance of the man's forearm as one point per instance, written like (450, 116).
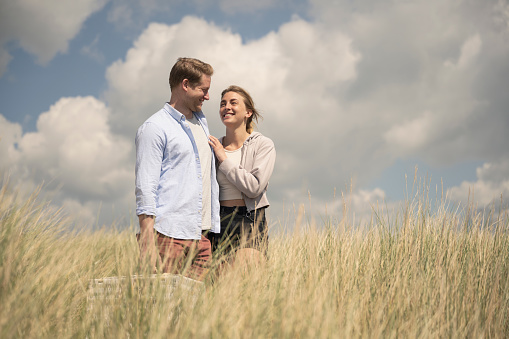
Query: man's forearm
(147, 246)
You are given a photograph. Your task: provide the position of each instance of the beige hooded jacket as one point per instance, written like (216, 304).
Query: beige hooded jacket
(252, 176)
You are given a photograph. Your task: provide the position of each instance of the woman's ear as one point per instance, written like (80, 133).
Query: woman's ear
(249, 113)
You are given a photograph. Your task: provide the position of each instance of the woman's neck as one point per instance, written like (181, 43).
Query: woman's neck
(235, 138)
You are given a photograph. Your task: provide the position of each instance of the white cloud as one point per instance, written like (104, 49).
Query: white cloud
(290, 74)
(133, 15)
(469, 51)
(340, 208)
(342, 95)
(74, 154)
(73, 145)
(340, 100)
(121, 14)
(354, 204)
(501, 14)
(431, 71)
(43, 28)
(84, 214)
(492, 184)
(411, 135)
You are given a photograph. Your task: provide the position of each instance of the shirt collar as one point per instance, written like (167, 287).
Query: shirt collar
(179, 116)
(174, 113)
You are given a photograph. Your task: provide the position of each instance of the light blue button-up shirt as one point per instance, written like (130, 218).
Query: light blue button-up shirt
(168, 175)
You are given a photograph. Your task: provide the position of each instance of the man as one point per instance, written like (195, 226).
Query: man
(177, 195)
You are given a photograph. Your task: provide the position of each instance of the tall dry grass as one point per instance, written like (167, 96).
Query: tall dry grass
(422, 272)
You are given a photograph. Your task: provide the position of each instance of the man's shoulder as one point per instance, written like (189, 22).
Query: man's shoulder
(159, 118)
(156, 124)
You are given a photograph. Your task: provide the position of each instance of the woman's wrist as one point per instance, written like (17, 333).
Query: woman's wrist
(220, 154)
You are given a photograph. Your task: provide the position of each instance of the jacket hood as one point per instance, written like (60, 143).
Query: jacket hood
(251, 138)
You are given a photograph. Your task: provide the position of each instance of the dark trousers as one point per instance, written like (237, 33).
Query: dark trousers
(240, 228)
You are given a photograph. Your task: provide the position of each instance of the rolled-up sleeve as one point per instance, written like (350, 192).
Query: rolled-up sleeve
(149, 156)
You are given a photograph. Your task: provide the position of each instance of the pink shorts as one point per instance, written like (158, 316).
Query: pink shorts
(190, 258)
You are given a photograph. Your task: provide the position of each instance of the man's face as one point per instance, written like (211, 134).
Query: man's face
(198, 94)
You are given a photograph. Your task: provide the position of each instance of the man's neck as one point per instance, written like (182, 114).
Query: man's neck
(177, 104)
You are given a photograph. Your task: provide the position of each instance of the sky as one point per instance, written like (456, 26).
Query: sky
(358, 96)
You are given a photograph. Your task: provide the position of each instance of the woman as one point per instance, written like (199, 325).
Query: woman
(245, 163)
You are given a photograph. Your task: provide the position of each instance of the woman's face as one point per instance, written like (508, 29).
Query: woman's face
(232, 110)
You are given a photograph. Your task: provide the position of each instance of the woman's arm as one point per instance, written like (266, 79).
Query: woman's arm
(252, 182)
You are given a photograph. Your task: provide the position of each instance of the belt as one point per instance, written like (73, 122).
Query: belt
(242, 210)
(239, 210)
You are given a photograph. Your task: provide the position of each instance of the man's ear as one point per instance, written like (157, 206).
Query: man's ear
(185, 84)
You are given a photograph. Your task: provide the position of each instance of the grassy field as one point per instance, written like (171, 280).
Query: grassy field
(423, 272)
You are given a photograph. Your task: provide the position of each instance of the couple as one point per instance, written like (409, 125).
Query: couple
(195, 193)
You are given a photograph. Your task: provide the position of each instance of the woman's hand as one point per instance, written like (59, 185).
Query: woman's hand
(218, 148)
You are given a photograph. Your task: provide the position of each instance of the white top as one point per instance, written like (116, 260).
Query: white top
(205, 154)
(228, 191)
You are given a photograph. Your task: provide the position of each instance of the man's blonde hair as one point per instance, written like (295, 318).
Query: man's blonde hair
(190, 69)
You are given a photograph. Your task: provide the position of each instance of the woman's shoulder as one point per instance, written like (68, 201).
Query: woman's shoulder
(260, 140)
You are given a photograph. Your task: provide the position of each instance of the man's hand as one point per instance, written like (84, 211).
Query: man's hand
(148, 250)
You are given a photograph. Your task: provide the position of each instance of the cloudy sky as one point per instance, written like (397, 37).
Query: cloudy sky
(355, 95)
